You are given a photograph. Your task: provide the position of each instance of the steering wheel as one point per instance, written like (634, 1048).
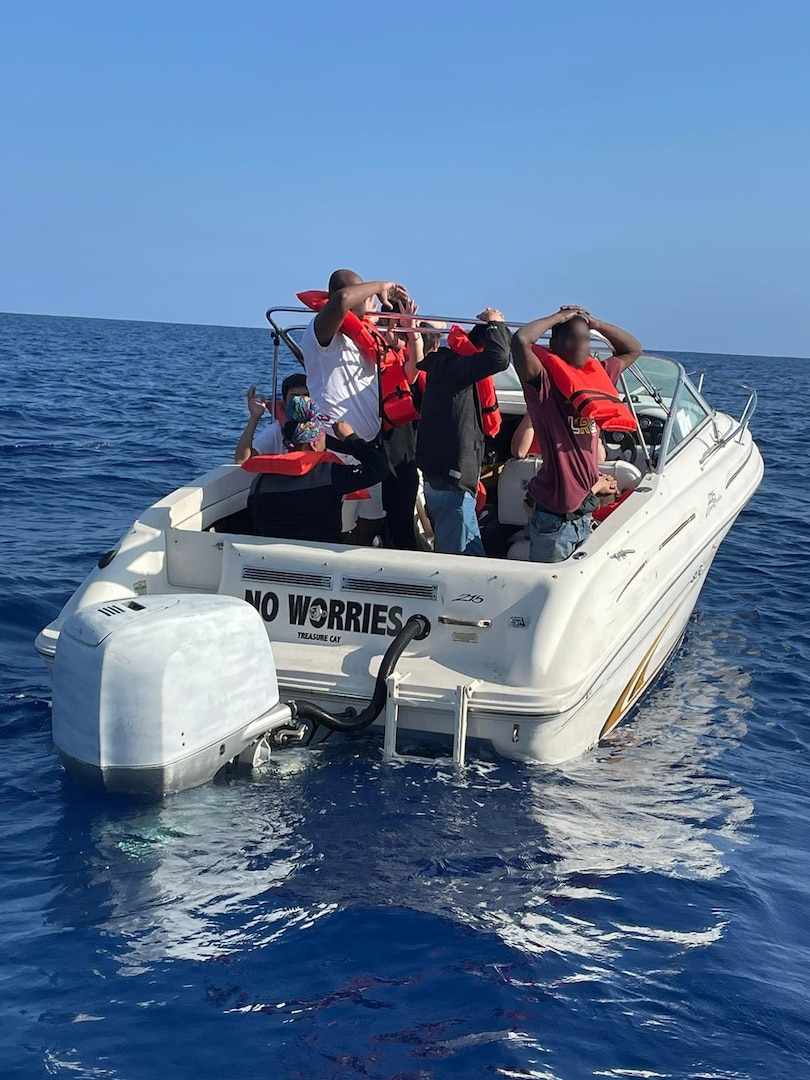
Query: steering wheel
(626, 442)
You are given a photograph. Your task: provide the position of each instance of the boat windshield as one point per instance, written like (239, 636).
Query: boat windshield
(669, 406)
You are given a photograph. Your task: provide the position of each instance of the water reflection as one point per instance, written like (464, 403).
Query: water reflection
(645, 802)
(535, 856)
(649, 801)
(187, 878)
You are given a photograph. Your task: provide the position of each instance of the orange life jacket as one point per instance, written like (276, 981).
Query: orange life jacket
(460, 343)
(297, 463)
(588, 390)
(396, 400)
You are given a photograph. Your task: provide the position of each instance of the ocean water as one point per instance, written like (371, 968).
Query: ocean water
(639, 912)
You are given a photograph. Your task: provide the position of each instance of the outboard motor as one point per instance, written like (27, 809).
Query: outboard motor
(156, 694)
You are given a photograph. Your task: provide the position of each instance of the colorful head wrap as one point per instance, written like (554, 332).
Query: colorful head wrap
(304, 414)
(308, 431)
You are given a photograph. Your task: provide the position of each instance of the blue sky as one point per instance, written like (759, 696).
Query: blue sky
(196, 162)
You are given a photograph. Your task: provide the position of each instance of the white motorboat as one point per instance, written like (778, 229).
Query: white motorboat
(192, 644)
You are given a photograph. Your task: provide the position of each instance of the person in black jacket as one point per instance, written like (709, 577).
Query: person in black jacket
(450, 441)
(301, 499)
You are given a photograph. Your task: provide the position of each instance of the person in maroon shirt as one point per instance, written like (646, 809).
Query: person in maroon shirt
(566, 490)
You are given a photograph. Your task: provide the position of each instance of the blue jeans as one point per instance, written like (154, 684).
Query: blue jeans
(455, 526)
(552, 538)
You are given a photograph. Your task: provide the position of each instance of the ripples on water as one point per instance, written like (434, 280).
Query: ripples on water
(638, 912)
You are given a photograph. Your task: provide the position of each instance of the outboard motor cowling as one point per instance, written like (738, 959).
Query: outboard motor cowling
(156, 694)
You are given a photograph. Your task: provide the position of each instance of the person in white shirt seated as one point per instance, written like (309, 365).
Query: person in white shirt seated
(345, 384)
(267, 437)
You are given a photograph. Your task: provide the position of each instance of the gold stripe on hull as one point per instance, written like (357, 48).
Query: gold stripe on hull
(639, 681)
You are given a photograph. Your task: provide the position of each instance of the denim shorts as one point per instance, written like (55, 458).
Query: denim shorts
(553, 539)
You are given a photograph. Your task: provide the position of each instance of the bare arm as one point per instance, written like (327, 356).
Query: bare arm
(527, 365)
(244, 448)
(523, 438)
(329, 319)
(626, 348)
(416, 351)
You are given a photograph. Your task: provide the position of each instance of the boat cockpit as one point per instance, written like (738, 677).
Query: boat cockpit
(668, 406)
(674, 422)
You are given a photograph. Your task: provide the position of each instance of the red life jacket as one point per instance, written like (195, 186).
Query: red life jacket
(297, 463)
(396, 399)
(460, 343)
(601, 512)
(588, 390)
(279, 412)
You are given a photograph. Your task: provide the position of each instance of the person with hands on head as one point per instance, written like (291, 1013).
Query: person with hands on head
(266, 438)
(300, 497)
(344, 383)
(568, 487)
(450, 439)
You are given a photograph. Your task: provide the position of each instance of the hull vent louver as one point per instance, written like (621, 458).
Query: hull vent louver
(390, 588)
(111, 609)
(287, 577)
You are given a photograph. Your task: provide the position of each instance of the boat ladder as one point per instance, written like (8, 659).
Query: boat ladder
(458, 704)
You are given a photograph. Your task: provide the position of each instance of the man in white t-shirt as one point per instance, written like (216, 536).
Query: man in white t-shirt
(344, 383)
(266, 438)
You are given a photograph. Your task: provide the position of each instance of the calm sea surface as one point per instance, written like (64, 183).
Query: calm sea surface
(640, 912)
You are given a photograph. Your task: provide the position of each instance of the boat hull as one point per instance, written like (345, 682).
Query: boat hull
(552, 738)
(549, 658)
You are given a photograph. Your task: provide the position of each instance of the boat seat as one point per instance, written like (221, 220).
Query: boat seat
(519, 548)
(628, 475)
(515, 478)
(518, 473)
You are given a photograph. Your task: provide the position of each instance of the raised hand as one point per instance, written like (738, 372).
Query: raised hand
(573, 311)
(255, 406)
(392, 291)
(342, 430)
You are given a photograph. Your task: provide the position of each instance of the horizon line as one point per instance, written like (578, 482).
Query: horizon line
(239, 326)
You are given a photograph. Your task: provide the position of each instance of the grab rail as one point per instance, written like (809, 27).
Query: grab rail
(284, 332)
(419, 317)
(395, 315)
(745, 420)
